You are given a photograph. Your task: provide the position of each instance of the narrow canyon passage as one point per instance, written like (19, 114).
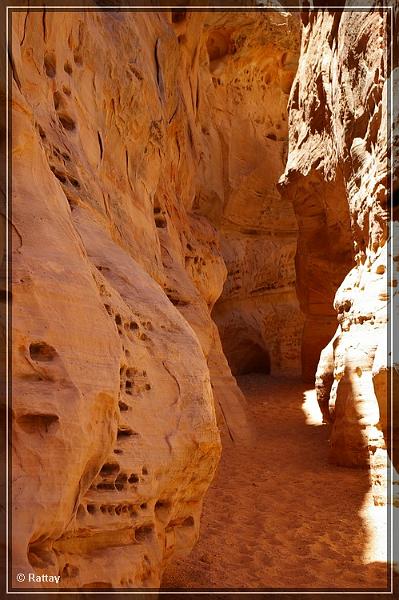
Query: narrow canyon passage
(200, 224)
(278, 515)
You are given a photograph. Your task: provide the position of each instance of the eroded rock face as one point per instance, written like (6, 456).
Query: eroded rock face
(115, 433)
(336, 175)
(124, 162)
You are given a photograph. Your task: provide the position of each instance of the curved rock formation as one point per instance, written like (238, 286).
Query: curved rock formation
(130, 155)
(253, 62)
(115, 434)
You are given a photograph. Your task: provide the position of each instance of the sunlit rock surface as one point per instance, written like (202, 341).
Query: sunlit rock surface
(336, 175)
(137, 190)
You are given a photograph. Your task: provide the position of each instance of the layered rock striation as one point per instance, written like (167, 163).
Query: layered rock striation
(258, 315)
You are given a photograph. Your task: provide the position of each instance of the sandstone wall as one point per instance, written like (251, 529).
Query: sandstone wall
(126, 166)
(336, 175)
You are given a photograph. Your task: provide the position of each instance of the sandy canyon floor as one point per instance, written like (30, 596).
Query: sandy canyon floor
(278, 515)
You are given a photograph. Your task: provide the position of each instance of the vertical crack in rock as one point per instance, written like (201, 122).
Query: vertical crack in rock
(100, 143)
(158, 68)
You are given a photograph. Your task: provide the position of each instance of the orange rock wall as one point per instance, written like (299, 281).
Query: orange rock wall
(253, 63)
(134, 184)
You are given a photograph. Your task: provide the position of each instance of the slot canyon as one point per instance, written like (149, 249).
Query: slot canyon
(202, 272)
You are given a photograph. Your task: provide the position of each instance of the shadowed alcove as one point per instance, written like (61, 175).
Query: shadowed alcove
(247, 357)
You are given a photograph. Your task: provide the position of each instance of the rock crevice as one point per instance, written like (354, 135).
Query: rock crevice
(336, 176)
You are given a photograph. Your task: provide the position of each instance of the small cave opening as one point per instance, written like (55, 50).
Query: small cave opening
(254, 360)
(248, 357)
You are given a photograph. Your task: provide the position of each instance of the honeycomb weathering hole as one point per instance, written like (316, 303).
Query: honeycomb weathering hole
(42, 352)
(188, 522)
(143, 533)
(37, 422)
(50, 65)
(109, 469)
(67, 123)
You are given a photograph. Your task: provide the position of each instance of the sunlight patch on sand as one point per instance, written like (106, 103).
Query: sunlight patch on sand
(311, 408)
(375, 519)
